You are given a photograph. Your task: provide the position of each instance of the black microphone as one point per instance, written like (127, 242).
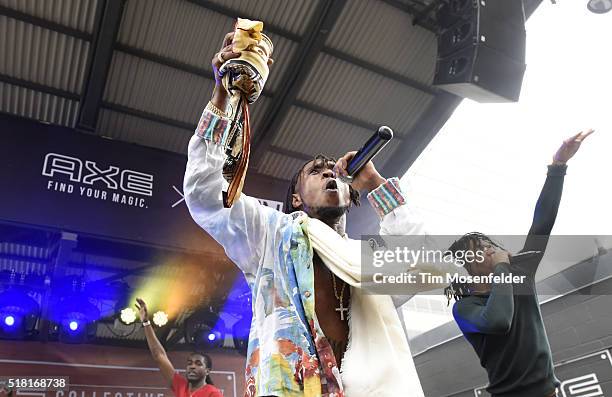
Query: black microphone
(524, 256)
(367, 152)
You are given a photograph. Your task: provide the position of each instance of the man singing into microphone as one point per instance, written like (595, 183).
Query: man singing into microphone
(301, 323)
(503, 321)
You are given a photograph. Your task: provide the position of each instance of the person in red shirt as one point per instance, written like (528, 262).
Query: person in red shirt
(197, 382)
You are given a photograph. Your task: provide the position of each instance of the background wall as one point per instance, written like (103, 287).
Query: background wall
(107, 371)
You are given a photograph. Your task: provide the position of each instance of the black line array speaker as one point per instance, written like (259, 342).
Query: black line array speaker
(481, 49)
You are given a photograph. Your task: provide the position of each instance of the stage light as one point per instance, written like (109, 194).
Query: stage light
(18, 313)
(76, 318)
(209, 337)
(128, 315)
(73, 325)
(12, 325)
(205, 330)
(160, 318)
(9, 320)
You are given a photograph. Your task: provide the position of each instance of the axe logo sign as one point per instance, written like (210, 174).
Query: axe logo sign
(582, 386)
(71, 175)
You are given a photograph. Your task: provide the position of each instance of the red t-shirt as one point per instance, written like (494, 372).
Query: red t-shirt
(180, 387)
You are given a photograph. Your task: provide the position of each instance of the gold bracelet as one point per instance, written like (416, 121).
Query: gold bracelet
(215, 110)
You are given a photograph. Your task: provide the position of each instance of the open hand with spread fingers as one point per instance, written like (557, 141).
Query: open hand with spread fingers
(570, 146)
(142, 310)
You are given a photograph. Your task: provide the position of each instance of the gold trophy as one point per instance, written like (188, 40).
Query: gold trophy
(244, 78)
(248, 73)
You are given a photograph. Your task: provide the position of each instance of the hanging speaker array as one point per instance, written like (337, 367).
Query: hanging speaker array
(481, 49)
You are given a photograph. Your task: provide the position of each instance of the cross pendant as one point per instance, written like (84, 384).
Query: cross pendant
(342, 309)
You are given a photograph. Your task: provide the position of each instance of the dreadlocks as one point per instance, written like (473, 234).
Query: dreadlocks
(467, 242)
(320, 162)
(207, 362)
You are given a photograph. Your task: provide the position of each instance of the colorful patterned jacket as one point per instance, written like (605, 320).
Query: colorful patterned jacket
(288, 355)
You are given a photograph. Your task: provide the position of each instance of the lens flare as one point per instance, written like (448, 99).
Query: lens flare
(9, 320)
(160, 318)
(128, 315)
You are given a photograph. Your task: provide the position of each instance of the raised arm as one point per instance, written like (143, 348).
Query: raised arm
(494, 317)
(546, 208)
(241, 229)
(547, 205)
(157, 350)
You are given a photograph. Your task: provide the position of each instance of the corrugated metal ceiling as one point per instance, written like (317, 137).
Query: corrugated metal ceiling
(148, 86)
(160, 74)
(395, 45)
(359, 93)
(77, 14)
(37, 105)
(309, 126)
(41, 56)
(138, 130)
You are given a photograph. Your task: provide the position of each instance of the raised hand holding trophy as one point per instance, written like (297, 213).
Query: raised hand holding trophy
(244, 78)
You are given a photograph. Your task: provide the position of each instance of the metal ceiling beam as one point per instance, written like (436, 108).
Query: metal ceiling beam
(335, 115)
(176, 123)
(182, 125)
(322, 22)
(43, 23)
(171, 63)
(39, 87)
(148, 116)
(108, 19)
(228, 12)
(417, 85)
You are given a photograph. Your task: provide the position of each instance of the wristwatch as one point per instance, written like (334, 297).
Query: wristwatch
(146, 323)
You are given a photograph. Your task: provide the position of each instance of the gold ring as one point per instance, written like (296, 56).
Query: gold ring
(220, 58)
